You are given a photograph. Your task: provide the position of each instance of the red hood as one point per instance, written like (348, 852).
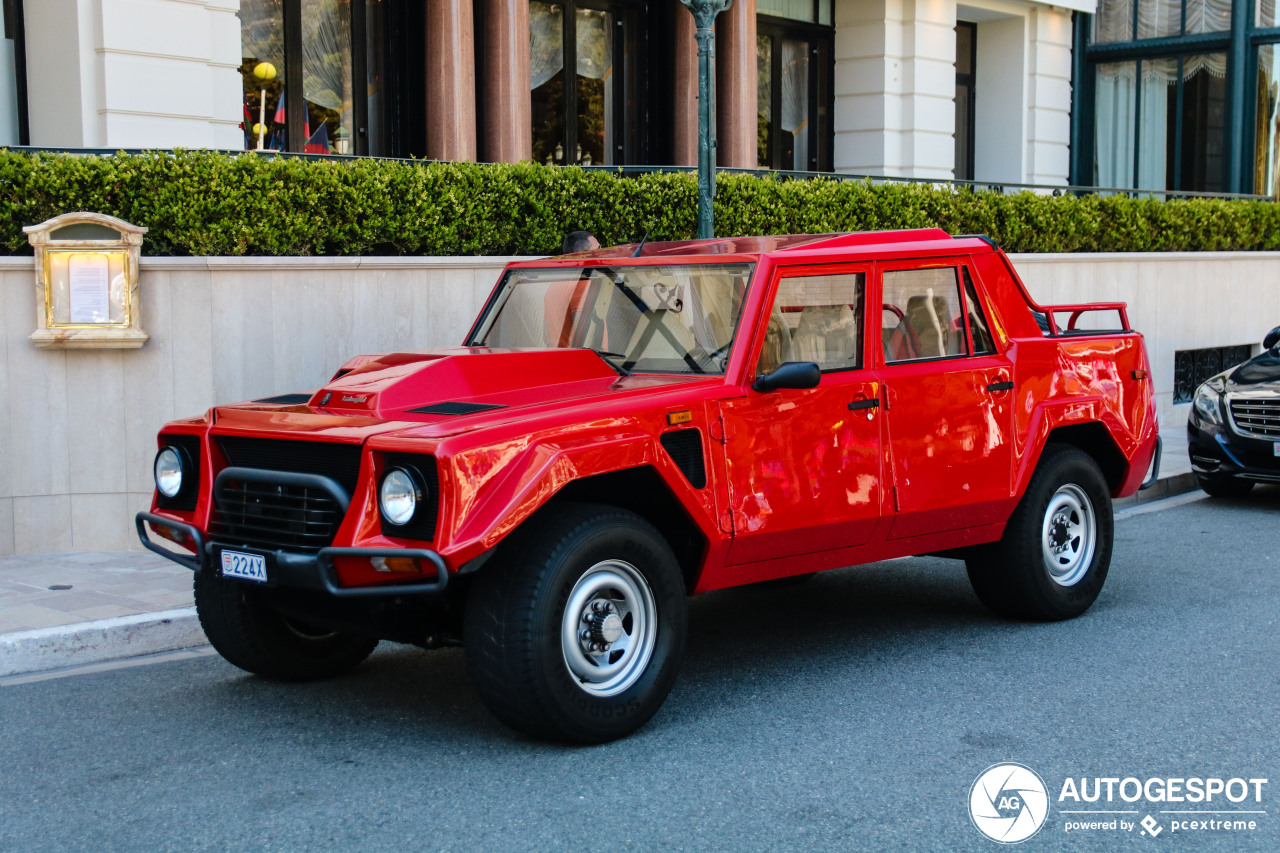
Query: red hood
(463, 388)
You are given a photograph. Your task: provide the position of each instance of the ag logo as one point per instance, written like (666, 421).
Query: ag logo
(1008, 803)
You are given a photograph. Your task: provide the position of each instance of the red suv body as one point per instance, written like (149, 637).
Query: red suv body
(626, 426)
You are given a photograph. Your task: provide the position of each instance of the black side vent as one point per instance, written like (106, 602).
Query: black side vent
(684, 446)
(189, 447)
(455, 408)
(331, 459)
(423, 524)
(286, 399)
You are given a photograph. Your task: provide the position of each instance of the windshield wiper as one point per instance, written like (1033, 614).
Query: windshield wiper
(605, 355)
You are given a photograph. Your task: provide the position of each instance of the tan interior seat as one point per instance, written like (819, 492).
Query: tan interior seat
(929, 320)
(828, 335)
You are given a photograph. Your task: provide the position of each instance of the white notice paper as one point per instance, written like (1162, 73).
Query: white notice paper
(88, 275)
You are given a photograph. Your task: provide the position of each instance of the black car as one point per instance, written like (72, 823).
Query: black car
(1233, 432)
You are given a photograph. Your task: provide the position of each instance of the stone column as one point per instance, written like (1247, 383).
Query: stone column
(685, 100)
(736, 86)
(1049, 85)
(451, 81)
(508, 128)
(895, 88)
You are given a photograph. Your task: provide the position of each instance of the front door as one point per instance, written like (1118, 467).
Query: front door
(804, 465)
(949, 401)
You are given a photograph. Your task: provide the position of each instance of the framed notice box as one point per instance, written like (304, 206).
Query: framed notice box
(87, 282)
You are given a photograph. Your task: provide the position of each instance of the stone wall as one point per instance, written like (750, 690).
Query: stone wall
(77, 428)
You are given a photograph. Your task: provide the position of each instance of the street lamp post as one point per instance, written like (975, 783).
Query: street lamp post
(704, 16)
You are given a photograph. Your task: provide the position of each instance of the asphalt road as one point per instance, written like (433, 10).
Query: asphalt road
(851, 713)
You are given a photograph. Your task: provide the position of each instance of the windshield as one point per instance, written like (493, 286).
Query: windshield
(678, 318)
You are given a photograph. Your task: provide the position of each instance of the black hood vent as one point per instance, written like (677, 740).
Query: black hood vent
(455, 408)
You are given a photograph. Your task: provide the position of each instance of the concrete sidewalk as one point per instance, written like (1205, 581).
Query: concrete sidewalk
(59, 610)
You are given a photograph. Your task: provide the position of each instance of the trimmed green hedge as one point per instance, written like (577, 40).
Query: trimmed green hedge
(204, 203)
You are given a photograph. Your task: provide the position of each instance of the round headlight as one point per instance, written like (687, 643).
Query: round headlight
(399, 496)
(168, 471)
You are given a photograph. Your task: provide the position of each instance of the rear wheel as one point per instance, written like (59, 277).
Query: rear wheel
(253, 636)
(1056, 549)
(577, 630)
(1224, 487)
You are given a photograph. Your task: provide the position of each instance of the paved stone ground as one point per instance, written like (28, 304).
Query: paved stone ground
(47, 590)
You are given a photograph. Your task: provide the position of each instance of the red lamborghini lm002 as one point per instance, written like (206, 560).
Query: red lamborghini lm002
(625, 427)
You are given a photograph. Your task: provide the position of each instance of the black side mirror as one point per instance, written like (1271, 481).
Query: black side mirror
(793, 374)
(1272, 338)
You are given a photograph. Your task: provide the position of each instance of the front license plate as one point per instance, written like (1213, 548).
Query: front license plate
(1275, 448)
(250, 567)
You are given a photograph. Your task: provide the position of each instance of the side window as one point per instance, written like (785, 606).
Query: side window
(982, 341)
(816, 318)
(921, 314)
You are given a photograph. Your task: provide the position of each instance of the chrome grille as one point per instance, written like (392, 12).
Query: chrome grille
(272, 515)
(1258, 418)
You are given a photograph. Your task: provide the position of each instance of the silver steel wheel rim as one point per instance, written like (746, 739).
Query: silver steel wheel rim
(1068, 535)
(609, 628)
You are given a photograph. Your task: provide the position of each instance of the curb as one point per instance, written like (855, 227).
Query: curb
(1165, 487)
(92, 642)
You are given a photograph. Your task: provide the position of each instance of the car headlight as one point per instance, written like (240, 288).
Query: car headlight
(168, 471)
(399, 495)
(1208, 401)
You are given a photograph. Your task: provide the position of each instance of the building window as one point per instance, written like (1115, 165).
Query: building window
(329, 64)
(584, 117)
(1160, 111)
(13, 76)
(793, 94)
(966, 46)
(1160, 123)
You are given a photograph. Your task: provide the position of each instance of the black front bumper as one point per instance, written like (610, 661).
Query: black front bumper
(290, 569)
(1217, 451)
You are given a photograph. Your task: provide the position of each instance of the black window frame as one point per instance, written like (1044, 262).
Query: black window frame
(968, 80)
(404, 123)
(632, 20)
(15, 28)
(1240, 45)
(821, 41)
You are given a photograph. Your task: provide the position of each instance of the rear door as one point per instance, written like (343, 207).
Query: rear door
(804, 465)
(949, 395)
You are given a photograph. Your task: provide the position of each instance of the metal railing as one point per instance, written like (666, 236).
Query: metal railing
(1003, 187)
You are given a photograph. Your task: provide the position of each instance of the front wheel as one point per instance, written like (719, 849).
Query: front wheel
(250, 634)
(1056, 549)
(575, 633)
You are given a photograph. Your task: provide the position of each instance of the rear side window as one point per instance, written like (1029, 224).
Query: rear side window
(921, 315)
(983, 344)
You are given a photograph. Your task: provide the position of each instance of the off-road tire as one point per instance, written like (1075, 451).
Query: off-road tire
(248, 633)
(1224, 487)
(518, 605)
(1013, 577)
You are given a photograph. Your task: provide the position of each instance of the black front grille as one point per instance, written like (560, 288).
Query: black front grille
(327, 458)
(275, 515)
(684, 446)
(1257, 418)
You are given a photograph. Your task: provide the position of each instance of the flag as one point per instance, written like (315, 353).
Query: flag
(318, 142)
(279, 116)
